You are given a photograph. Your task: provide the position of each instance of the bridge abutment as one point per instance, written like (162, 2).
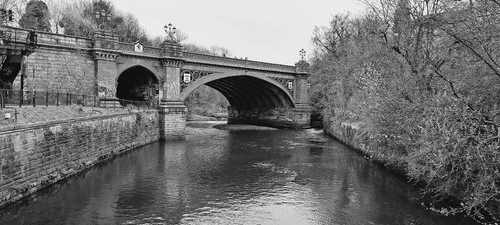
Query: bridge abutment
(105, 58)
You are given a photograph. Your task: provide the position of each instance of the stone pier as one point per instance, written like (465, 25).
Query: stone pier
(172, 120)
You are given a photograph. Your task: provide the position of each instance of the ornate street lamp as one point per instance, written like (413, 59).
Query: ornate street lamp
(171, 31)
(302, 54)
(102, 18)
(5, 17)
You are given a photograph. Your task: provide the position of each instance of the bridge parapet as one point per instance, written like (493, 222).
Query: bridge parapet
(17, 36)
(130, 47)
(233, 62)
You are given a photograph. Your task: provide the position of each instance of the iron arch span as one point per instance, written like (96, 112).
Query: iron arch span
(137, 83)
(253, 100)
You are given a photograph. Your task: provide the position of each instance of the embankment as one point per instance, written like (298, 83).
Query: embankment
(355, 135)
(35, 155)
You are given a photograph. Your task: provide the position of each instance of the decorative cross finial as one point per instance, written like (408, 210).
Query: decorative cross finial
(302, 54)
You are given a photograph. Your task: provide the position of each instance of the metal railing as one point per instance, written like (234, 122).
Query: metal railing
(45, 98)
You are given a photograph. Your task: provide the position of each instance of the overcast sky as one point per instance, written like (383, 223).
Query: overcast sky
(263, 30)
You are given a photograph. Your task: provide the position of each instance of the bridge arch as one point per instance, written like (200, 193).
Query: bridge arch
(246, 91)
(147, 67)
(137, 83)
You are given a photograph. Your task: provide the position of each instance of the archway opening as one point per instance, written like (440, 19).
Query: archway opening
(251, 93)
(248, 96)
(204, 102)
(138, 84)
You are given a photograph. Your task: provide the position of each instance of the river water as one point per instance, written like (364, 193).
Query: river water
(231, 177)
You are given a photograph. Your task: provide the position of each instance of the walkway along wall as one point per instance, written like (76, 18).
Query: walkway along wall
(37, 155)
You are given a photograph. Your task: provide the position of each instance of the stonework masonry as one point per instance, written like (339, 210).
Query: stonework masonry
(59, 69)
(37, 155)
(263, 93)
(173, 122)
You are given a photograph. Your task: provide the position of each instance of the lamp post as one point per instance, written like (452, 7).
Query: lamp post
(302, 54)
(5, 17)
(171, 31)
(102, 18)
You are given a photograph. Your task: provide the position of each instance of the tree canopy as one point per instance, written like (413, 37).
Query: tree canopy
(36, 16)
(79, 19)
(423, 78)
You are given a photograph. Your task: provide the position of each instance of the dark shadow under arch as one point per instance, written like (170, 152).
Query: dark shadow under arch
(137, 84)
(248, 92)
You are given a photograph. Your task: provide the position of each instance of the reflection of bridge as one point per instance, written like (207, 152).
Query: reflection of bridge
(259, 93)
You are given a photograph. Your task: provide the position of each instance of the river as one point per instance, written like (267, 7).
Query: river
(231, 177)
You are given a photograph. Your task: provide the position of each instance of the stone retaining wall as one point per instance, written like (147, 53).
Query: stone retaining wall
(59, 69)
(34, 156)
(357, 136)
(350, 133)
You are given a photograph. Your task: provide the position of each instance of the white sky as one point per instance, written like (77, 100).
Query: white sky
(262, 30)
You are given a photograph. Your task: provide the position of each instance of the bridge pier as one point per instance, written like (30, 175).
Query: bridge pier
(172, 109)
(172, 120)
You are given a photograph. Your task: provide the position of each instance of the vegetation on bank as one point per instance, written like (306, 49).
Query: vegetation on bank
(206, 101)
(423, 78)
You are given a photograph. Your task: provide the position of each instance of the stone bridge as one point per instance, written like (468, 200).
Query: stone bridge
(259, 93)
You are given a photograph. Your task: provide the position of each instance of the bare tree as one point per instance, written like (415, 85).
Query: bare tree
(331, 38)
(56, 8)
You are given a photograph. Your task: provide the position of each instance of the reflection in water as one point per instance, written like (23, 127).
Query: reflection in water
(231, 177)
(316, 151)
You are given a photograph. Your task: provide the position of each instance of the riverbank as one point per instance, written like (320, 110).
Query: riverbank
(358, 136)
(194, 117)
(355, 135)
